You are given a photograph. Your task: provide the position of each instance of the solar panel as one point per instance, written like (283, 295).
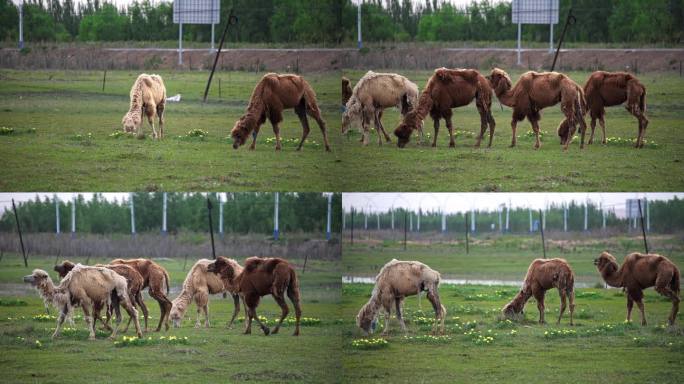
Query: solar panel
(196, 11)
(535, 11)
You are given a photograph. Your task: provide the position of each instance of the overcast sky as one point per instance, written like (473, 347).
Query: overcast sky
(462, 202)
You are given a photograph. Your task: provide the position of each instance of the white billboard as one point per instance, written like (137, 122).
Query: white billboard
(196, 11)
(535, 12)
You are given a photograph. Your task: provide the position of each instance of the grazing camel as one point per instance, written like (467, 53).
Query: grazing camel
(157, 279)
(198, 285)
(148, 96)
(535, 91)
(261, 277)
(542, 275)
(346, 90)
(134, 282)
(396, 280)
(638, 272)
(447, 89)
(371, 95)
(273, 94)
(606, 89)
(91, 288)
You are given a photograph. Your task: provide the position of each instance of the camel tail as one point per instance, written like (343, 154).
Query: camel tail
(642, 101)
(166, 281)
(674, 283)
(310, 97)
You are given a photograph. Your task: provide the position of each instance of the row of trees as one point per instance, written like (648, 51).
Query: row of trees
(646, 21)
(334, 21)
(242, 213)
(665, 217)
(277, 21)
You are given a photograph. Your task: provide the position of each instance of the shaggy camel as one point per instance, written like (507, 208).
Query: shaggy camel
(371, 95)
(261, 277)
(396, 280)
(535, 91)
(199, 284)
(134, 282)
(346, 90)
(542, 275)
(606, 89)
(270, 97)
(157, 279)
(447, 89)
(148, 96)
(638, 272)
(91, 288)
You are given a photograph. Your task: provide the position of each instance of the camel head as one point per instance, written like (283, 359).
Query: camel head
(131, 122)
(606, 262)
(222, 267)
(242, 129)
(367, 319)
(64, 268)
(499, 80)
(405, 128)
(38, 278)
(514, 309)
(352, 112)
(176, 315)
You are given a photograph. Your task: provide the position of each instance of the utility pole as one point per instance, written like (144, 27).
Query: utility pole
(57, 229)
(21, 239)
(164, 229)
(73, 216)
(565, 218)
(21, 25)
(358, 25)
(132, 214)
(220, 201)
(276, 231)
(329, 218)
(586, 216)
(444, 228)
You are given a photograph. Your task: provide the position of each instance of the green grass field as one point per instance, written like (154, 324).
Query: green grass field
(62, 123)
(481, 347)
(215, 354)
(615, 167)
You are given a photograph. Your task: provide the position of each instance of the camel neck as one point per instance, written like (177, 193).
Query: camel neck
(612, 277)
(505, 95)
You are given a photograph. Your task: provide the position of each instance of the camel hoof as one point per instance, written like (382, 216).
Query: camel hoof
(452, 145)
(433, 145)
(266, 331)
(296, 333)
(299, 149)
(327, 149)
(511, 146)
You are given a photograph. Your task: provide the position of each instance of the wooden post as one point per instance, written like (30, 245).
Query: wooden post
(232, 20)
(643, 229)
(405, 216)
(211, 228)
(104, 80)
(21, 239)
(541, 229)
(219, 87)
(467, 230)
(306, 257)
(352, 226)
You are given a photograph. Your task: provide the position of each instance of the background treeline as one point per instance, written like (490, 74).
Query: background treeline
(334, 21)
(243, 213)
(598, 21)
(665, 217)
(269, 21)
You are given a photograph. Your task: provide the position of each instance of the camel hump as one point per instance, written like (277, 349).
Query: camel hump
(253, 263)
(147, 80)
(272, 264)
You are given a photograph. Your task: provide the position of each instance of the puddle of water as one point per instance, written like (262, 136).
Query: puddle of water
(511, 283)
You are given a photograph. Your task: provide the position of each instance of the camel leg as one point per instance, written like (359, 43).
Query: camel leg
(483, 124)
(365, 121)
(434, 139)
(643, 123)
(314, 112)
(143, 307)
(117, 311)
(236, 309)
(492, 126)
(262, 325)
(563, 305)
(388, 314)
(630, 305)
(433, 297)
(399, 302)
(378, 130)
(514, 127)
(296, 302)
(275, 119)
(539, 296)
(60, 320)
(535, 128)
(663, 288)
(205, 309)
(132, 313)
(300, 110)
(571, 295)
(254, 139)
(160, 116)
(583, 128)
(602, 122)
(164, 307)
(450, 128)
(90, 321)
(382, 127)
(593, 128)
(150, 110)
(640, 304)
(280, 299)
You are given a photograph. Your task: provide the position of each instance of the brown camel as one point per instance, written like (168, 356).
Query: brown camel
(606, 89)
(346, 90)
(157, 279)
(638, 272)
(447, 89)
(542, 275)
(535, 91)
(273, 94)
(134, 282)
(261, 277)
